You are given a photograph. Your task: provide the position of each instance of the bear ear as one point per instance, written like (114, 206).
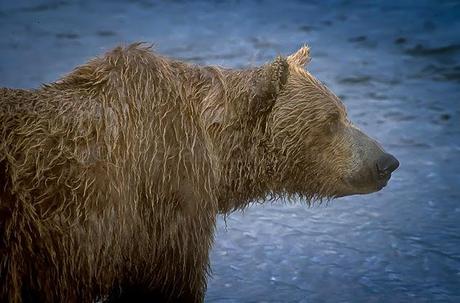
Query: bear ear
(270, 79)
(301, 57)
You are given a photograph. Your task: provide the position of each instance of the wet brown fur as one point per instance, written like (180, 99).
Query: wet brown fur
(112, 177)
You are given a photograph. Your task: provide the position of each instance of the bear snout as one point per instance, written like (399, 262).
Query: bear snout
(372, 165)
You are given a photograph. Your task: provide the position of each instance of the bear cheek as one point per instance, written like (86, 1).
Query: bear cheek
(344, 165)
(327, 164)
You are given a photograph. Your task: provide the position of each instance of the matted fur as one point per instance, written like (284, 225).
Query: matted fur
(112, 177)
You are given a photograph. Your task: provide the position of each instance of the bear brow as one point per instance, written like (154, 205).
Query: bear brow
(323, 90)
(318, 84)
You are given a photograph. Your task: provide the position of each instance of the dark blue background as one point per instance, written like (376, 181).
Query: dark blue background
(395, 64)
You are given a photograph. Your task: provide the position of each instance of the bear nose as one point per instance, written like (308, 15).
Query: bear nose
(387, 164)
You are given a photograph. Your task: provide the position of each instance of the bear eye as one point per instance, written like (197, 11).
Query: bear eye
(332, 123)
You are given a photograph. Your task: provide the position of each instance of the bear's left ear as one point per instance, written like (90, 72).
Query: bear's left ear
(270, 79)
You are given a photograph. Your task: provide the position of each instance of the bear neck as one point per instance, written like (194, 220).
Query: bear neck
(242, 141)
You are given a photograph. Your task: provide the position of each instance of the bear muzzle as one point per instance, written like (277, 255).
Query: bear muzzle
(373, 166)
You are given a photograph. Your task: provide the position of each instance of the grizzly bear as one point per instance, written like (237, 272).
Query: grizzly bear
(112, 177)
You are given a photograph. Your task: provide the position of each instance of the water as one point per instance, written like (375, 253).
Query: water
(396, 65)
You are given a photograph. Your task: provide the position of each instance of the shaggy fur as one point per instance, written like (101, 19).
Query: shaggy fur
(112, 177)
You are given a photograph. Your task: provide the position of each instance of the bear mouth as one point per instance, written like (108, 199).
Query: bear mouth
(353, 186)
(383, 181)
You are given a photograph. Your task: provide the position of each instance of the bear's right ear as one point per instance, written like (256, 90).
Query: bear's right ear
(270, 79)
(300, 57)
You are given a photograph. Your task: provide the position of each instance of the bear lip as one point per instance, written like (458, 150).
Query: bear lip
(376, 185)
(383, 182)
